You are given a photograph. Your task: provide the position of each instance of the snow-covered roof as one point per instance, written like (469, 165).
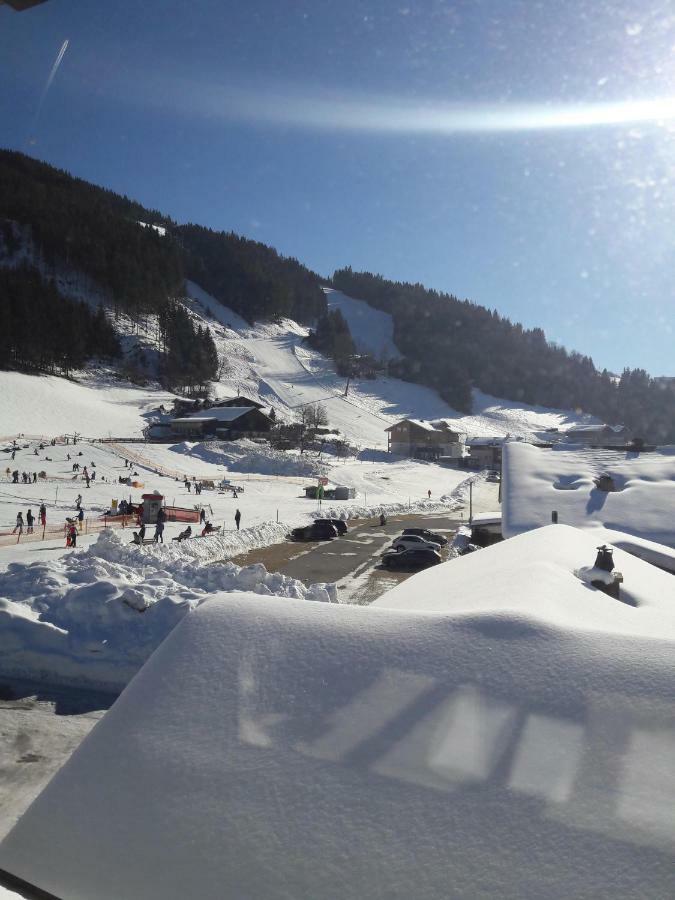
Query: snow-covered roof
(192, 420)
(537, 481)
(225, 413)
(420, 423)
(485, 441)
(501, 736)
(594, 429)
(487, 518)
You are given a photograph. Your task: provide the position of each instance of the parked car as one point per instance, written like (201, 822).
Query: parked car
(493, 475)
(432, 536)
(318, 531)
(413, 541)
(413, 558)
(338, 523)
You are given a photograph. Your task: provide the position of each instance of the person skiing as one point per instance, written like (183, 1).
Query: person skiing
(30, 519)
(80, 518)
(43, 515)
(19, 523)
(237, 519)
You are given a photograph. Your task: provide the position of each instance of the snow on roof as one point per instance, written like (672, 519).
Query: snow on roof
(593, 429)
(533, 575)
(225, 413)
(485, 441)
(487, 518)
(427, 426)
(536, 481)
(191, 420)
(276, 750)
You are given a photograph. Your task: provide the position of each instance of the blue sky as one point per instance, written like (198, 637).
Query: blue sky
(519, 154)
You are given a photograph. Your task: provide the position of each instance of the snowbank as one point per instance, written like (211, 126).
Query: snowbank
(246, 456)
(277, 750)
(95, 617)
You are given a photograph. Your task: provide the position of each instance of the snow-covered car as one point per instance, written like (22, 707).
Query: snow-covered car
(337, 523)
(493, 475)
(432, 536)
(317, 531)
(413, 542)
(413, 558)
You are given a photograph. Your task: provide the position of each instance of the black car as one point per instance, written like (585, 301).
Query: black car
(318, 531)
(427, 535)
(417, 558)
(338, 523)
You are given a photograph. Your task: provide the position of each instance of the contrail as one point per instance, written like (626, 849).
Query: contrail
(50, 79)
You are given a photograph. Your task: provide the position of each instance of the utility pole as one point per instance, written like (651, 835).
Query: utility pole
(470, 502)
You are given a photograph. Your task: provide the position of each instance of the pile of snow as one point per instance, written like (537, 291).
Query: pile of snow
(247, 456)
(536, 481)
(473, 744)
(94, 617)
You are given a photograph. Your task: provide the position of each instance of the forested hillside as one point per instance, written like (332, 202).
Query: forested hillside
(42, 331)
(454, 345)
(54, 222)
(249, 277)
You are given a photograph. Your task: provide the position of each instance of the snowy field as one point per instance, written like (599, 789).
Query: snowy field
(504, 737)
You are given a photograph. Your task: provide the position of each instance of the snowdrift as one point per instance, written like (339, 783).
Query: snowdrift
(277, 750)
(95, 617)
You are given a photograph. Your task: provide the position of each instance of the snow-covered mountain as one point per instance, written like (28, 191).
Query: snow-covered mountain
(268, 361)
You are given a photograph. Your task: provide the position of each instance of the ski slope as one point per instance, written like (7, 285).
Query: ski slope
(268, 362)
(372, 330)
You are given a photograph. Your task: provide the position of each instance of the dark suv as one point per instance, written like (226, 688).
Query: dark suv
(338, 523)
(319, 531)
(427, 535)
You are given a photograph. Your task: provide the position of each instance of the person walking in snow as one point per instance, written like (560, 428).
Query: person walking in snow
(43, 515)
(159, 531)
(237, 519)
(80, 518)
(78, 501)
(19, 524)
(15, 476)
(34, 477)
(429, 494)
(72, 534)
(30, 519)
(202, 516)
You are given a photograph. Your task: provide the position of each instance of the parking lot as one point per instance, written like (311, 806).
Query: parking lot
(351, 561)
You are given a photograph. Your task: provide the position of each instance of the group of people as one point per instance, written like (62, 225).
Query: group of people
(24, 477)
(30, 520)
(198, 486)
